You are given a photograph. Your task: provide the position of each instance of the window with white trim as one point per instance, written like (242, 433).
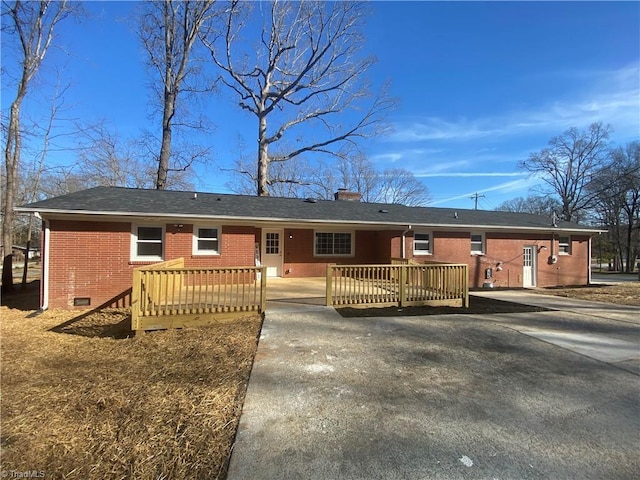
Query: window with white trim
(206, 240)
(422, 243)
(147, 242)
(564, 246)
(333, 244)
(477, 243)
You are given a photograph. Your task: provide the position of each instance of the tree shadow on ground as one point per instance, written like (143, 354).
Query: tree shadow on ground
(477, 306)
(104, 321)
(23, 298)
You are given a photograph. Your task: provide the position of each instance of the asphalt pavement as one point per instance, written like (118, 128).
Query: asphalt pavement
(443, 397)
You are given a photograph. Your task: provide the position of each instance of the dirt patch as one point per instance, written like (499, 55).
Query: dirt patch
(621, 294)
(91, 406)
(477, 306)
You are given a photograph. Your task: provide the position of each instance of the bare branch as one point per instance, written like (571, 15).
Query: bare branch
(305, 77)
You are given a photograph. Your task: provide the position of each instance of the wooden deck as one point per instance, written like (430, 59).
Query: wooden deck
(401, 284)
(167, 295)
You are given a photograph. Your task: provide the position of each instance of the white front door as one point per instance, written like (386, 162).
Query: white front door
(528, 263)
(272, 251)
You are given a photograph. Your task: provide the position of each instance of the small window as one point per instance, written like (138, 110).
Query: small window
(335, 244)
(147, 243)
(206, 240)
(477, 243)
(272, 245)
(422, 243)
(564, 247)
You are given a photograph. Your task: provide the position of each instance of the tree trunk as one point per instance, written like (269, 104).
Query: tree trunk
(165, 149)
(629, 267)
(263, 158)
(12, 158)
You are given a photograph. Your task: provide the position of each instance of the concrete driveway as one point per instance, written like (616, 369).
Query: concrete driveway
(437, 397)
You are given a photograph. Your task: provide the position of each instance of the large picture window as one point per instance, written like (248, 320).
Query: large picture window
(206, 240)
(147, 243)
(334, 244)
(422, 243)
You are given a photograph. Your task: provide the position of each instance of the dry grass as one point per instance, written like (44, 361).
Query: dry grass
(88, 404)
(620, 294)
(82, 401)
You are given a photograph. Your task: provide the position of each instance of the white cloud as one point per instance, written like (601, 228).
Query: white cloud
(472, 174)
(611, 97)
(520, 185)
(396, 156)
(432, 128)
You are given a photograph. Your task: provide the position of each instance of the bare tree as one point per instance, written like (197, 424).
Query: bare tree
(301, 77)
(105, 158)
(568, 165)
(33, 25)
(30, 188)
(169, 31)
(401, 186)
(616, 188)
(358, 174)
(287, 179)
(536, 204)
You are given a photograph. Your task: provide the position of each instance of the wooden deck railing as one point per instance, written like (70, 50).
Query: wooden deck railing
(398, 284)
(168, 295)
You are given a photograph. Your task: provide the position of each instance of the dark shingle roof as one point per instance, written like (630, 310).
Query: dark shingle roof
(168, 203)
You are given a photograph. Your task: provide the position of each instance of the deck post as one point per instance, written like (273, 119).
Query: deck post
(263, 289)
(403, 281)
(465, 283)
(135, 299)
(329, 289)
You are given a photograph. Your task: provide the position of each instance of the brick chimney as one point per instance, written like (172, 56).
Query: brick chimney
(344, 194)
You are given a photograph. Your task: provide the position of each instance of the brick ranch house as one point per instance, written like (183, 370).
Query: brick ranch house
(93, 239)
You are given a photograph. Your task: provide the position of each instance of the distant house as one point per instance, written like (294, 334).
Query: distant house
(19, 251)
(94, 238)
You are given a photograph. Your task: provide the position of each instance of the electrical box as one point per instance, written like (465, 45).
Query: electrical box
(488, 273)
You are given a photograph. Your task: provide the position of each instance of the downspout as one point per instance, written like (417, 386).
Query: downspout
(45, 264)
(403, 250)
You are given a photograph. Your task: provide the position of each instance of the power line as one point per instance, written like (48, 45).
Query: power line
(476, 196)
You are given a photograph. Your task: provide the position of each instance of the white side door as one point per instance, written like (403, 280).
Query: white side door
(272, 251)
(528, 264)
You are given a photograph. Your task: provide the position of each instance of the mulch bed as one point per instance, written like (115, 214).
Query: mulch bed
(477, 306)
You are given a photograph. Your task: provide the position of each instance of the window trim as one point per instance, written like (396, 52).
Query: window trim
(429, 251)
(567, 245)
(329, 255)
(483, 240)
(195, 251)
(134, 243)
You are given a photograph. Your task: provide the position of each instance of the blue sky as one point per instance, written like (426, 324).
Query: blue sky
(481, 85)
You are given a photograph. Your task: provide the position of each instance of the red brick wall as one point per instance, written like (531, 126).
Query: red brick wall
(507, 249)
(88, 259)
(92, 259)
(299, 261)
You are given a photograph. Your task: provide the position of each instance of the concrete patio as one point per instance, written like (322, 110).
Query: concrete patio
(434, 397)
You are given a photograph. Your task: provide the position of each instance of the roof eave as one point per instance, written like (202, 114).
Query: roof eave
(403, 225)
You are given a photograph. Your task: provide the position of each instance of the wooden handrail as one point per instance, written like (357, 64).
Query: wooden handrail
(401, 284)
(174, 292)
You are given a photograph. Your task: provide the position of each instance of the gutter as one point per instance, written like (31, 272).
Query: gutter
(301, 221)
